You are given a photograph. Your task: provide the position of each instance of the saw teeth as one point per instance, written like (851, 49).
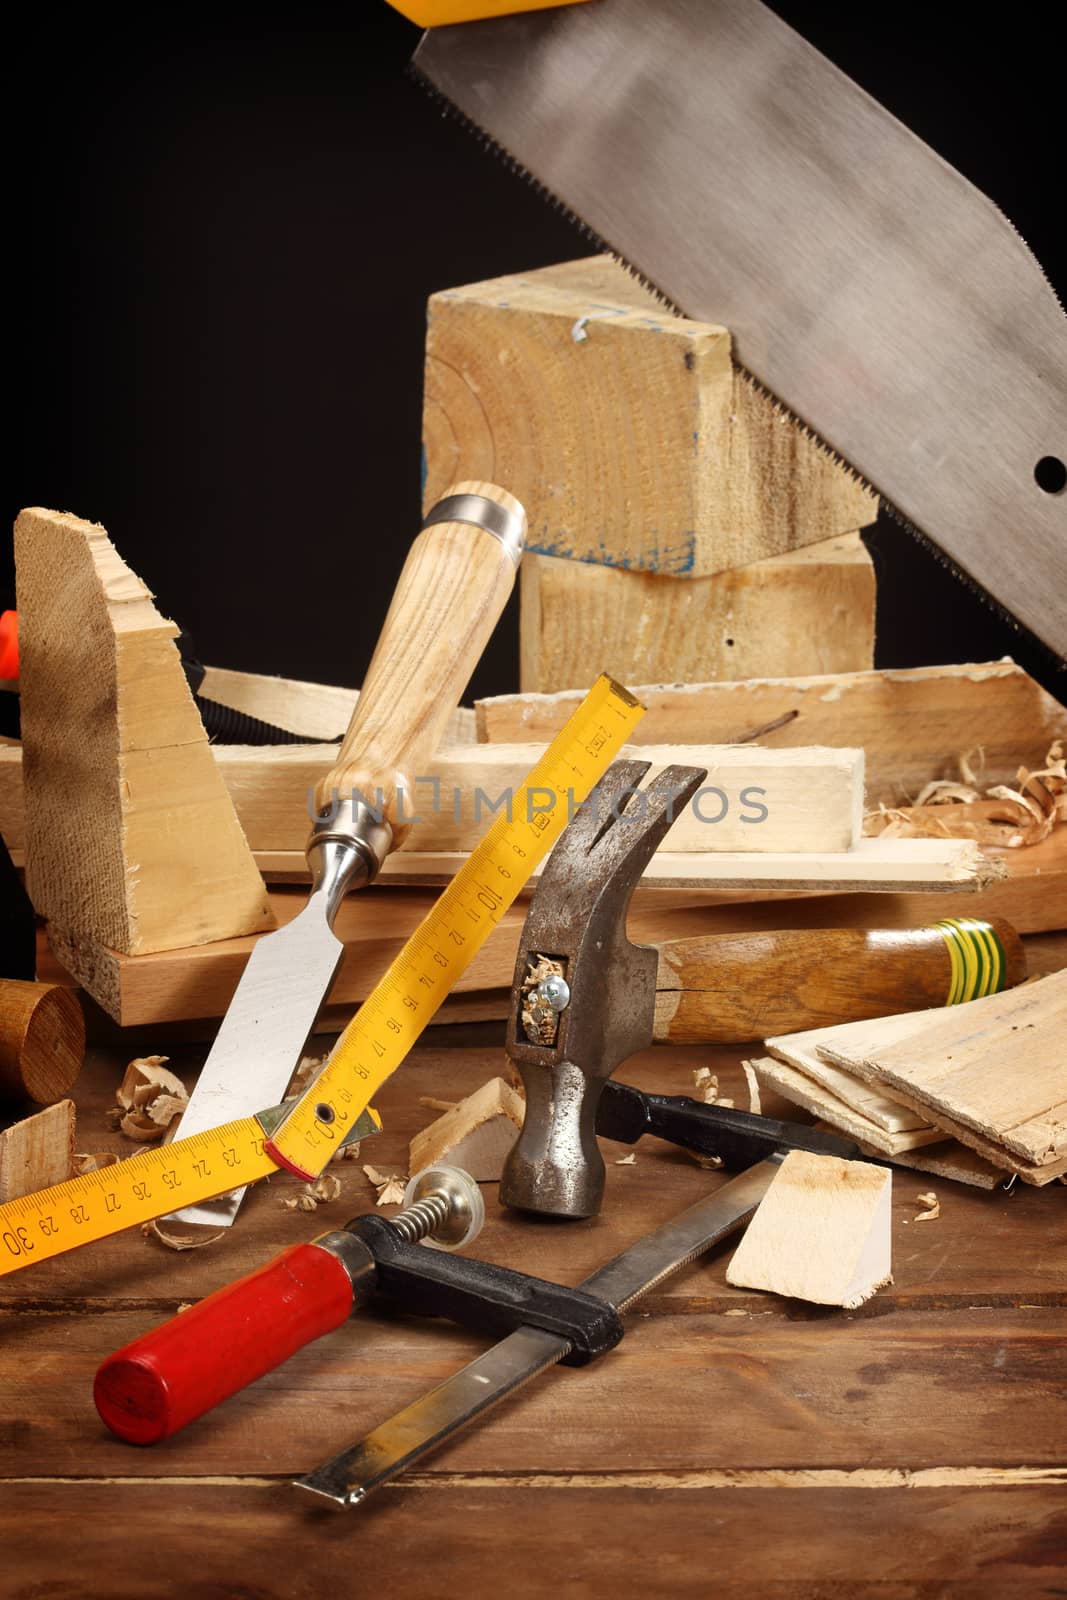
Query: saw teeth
(501, 153)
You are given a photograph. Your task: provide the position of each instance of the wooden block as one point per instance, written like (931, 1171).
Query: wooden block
(912, 723)
(476, 1134)
(131, 838)
(810, 610)
(626, 431)
(822, 1233)
(996, 1066)
(37, 1152)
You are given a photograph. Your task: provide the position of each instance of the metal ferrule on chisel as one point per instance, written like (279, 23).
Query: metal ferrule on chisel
(348, 845)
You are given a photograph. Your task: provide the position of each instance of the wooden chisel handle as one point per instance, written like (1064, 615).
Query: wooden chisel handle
(455, 582)
(729, 988)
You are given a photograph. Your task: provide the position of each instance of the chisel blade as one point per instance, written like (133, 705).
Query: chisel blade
(350, 1477)
(259, 1042)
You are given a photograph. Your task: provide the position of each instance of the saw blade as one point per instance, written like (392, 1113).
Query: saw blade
(867, 286)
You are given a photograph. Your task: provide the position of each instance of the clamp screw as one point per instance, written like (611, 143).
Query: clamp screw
(443, 1206)
(554, 992)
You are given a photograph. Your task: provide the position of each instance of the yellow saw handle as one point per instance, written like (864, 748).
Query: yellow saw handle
(436, 13)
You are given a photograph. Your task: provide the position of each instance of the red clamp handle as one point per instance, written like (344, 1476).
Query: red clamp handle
(169, 1377)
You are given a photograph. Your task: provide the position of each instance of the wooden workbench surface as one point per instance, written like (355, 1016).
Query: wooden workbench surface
(734, 1444)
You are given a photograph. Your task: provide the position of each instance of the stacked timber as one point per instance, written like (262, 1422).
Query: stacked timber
(677, 515)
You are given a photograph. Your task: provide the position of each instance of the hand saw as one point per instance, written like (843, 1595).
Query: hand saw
(451, 592)
(874, 291)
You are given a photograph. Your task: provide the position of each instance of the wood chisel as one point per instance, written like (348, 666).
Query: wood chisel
(879, 296)
(451, 592)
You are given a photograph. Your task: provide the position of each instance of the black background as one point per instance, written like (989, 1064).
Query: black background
(223, 230)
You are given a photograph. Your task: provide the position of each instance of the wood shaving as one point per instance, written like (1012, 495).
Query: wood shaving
(82, 1163)
(433, 1104)
(933, 1205)
(347, 1152)
(149, 1098)
(182, 1241)
(539, 1022)
(319, 1193)
(305, 1075)
(627, 1161)
(390, 1186)
(706, 1085)
(753, 1087)
(998, 815)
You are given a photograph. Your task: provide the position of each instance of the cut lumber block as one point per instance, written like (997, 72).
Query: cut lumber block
(949, 1159)
(912, 723)
(625, 430)
(42, 1041)
(317, 710)
(131, 838)
(476, 1134)
(822, 1233)
(996, 1067)
(37, 1152)
(811, 610)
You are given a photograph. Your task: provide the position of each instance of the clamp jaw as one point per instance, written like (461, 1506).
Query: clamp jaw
(583, 996)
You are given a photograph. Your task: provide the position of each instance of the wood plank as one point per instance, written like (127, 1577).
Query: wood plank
(814, 1096)
(803, 800)
(996, 1065)
(912, 723)
(836, 1391)
(809, 610)
(125, 807)
(986, 1249)
(624, 429)
(199, 981)
(992, 1533)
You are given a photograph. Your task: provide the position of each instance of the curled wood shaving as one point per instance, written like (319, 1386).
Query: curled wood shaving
(933, 1205)
(706, 1085)
(321, 1192)
(627, 1161)
(82, 1163)
(347, 1152)
(390, 1186)
(999, 815)
(305, 1075)
(149, 1098)
(433, 1104)
(196, 1240)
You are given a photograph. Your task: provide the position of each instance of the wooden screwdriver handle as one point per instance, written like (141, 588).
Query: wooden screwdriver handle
(730, 988)
(451, 593)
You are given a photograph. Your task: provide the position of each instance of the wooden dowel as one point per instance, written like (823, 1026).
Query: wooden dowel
(42, 1041)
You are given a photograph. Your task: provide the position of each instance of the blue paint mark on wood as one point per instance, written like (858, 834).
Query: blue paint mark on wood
(675, 554)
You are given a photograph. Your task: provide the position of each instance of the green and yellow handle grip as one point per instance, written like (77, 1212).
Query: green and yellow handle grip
(730, 988)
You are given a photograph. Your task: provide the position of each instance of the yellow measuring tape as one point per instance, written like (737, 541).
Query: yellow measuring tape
(153, 1183)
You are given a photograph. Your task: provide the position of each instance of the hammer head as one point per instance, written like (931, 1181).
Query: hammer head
(583, 996)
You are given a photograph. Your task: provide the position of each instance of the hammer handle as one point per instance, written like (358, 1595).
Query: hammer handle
(729, 988)
(451, 592)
